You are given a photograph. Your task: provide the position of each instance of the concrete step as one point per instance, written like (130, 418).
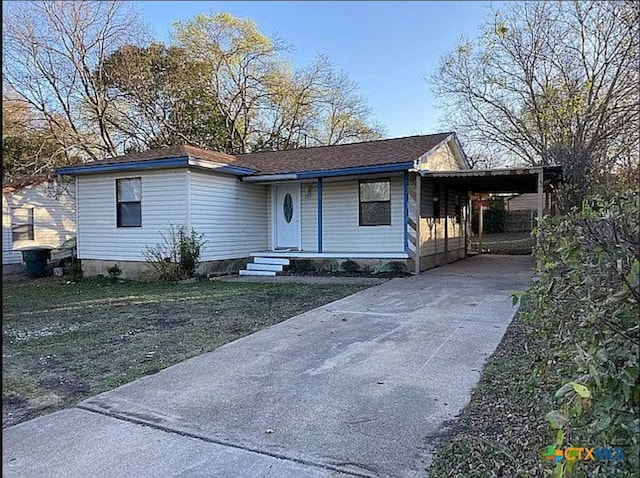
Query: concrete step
(257, 273)
(271, 260)
(264, 267)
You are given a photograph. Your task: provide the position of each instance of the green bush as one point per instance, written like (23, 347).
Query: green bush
(301, 265)
(586, 302)
(76, 274)
(397, 267)
(114, 273)
(493, 219)
(350, 266)
(176, 256)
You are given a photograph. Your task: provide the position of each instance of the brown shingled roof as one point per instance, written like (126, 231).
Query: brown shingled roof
(170, 152)
(370, 153)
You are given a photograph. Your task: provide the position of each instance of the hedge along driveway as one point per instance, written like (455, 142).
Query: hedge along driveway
(64, 342)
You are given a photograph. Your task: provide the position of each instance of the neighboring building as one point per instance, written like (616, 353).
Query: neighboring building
(522, 202)
(373, 201)
(36, 214)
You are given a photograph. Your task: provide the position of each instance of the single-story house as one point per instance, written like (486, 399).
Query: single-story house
(42, 213)
(376, 201)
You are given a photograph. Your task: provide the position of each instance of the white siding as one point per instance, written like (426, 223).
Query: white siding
(164, 202)
(232, 215)
(54, 216)
(341, 231)
(309, 216)
(523, 202)
(8, 255)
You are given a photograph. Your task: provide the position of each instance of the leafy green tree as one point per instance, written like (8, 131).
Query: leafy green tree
(266, 103)
(160, 96)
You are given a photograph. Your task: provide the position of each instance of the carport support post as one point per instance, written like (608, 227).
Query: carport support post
(540, 194)
(540, 201)
(418, 206)
(480, 225)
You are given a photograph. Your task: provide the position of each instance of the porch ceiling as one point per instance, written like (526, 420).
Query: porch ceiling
(504, 180)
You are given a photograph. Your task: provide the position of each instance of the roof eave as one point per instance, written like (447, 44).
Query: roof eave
(325, 173)
(154, 164)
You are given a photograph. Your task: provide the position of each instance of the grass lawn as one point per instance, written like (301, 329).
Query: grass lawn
(65, 342)
(502, 430)
(517, 243)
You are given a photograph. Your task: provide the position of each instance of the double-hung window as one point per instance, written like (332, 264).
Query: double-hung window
(22, 221)
(375, 202)
(129, 202)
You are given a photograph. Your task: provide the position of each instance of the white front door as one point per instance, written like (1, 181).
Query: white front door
(287, 216)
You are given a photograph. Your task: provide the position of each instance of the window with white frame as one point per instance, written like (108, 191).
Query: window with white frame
(22, 224)
(129, 202)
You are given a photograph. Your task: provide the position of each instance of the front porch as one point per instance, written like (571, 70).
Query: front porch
(331, 255)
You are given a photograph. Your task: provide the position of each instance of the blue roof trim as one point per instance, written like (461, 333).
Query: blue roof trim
(382, 168)
(183, 161)
(132, 166)
(234, 170)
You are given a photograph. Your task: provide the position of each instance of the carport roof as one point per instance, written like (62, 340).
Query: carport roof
(501, 180)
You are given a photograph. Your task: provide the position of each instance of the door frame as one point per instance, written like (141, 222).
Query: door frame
(274, 212)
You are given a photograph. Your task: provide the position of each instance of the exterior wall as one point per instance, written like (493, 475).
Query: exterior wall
(523, 202)
(54, 216)
(442, 239)
(341, 231)
(446, 158)
(233, 216)
(164, 202)
(9, 256)
(135, 270)
(309, 216)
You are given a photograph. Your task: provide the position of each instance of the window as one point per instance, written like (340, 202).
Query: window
(128, 202)
(375, 202)
(22, 224)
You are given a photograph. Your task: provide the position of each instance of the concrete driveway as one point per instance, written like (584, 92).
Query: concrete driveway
(353, 388)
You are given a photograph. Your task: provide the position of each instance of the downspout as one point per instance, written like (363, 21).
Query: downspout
(405, 184)
(319, 214)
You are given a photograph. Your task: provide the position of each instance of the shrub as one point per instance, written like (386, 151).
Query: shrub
(586, 302)
(301, 265)
(350, 266)
(76, 274)
(114, 273)
(493, 219)
(397, 267)
(176, 256)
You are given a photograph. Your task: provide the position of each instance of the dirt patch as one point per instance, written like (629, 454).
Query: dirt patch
(65, 342)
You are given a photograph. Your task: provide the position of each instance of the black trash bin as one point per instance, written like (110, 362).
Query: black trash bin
(36, 261)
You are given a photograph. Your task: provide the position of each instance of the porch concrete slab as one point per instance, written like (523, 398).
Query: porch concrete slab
(357, 386)
(77, 443)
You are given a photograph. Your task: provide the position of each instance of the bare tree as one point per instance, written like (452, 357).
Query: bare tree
(52, 56)
(549, 82)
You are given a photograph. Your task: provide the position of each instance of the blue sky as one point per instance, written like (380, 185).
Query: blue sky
(389, 48)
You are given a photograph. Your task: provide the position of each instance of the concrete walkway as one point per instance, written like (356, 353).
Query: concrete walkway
(353, 388)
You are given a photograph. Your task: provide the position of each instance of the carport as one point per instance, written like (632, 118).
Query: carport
(445, 224)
